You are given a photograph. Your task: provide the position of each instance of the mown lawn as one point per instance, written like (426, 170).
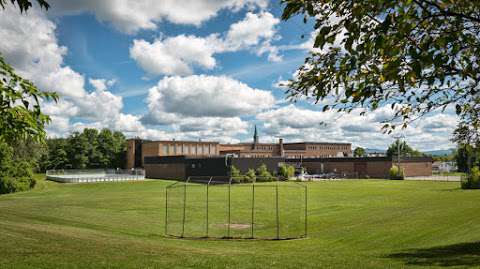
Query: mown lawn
(352, 224)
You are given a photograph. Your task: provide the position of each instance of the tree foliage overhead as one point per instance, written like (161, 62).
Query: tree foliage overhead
(420, 55)
(20, 113)
(24, 5)
(21, 122)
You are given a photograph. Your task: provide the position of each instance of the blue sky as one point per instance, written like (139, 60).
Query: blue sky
(186, 70)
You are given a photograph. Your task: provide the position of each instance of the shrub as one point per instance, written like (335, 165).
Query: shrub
(236, 176)
(263, 175)
(234, 172)
(472, 180)
(15, 174)
(286, 171)
(15, 177)
(396, 173)
(9, 185)
(250, 176)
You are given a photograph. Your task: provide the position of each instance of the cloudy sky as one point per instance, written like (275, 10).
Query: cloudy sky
(184, 69)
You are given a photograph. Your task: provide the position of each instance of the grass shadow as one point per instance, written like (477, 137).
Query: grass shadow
(463, 254)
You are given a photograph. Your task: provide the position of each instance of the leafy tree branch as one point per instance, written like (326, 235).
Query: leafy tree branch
(415, 56)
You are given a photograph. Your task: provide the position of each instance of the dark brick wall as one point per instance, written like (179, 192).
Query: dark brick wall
(216, 167)
(412, 169)
(373, 167)
(243, 164)
(180, 167)
(165, 171)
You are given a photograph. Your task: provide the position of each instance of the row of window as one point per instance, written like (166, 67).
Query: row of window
(329, 147)
(264, 147)
(182, 149)
(257, 155)
(309, 156)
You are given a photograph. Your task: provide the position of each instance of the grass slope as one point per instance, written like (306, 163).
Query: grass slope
(352, 224)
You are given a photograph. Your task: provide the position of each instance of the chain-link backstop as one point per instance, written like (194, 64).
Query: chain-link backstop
(212, 209)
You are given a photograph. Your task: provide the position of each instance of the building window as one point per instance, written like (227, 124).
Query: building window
(200, 150)
(165, 149)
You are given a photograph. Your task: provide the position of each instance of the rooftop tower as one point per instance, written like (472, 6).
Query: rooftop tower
(255, 136)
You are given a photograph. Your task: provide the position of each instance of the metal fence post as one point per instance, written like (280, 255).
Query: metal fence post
(208, 184)
(166, 210)
(253, 208)
(306, 214)
(276, 207)
(184, 207)
(229, 209)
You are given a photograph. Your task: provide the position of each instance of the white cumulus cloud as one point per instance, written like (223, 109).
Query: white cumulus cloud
(179, 55)
(29, 44)
(131, 16)
(205, 96)
(174, 55)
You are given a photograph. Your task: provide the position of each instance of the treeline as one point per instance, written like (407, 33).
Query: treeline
(20, 159)
(88, 149)
(404, 148)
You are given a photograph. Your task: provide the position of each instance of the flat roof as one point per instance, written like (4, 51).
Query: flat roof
(318, 143)
(290, 143)
(180, 141)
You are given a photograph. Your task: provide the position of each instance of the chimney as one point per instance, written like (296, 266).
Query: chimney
(280, 143)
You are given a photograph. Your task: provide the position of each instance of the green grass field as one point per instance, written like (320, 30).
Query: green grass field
(352, 224)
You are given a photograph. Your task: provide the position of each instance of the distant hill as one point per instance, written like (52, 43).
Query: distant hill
(440, 152)
(375, 151)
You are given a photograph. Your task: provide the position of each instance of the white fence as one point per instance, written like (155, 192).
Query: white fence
(453, 178)
(95, 175)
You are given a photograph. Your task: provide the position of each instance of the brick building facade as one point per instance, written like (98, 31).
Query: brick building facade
(138, 149)
(287, 150)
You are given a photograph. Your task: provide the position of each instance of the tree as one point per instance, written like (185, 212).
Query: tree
(405, 150)
(28, 151)
(413, 55)
(21, 122)
(77, 151)
(286, 171)
(15, 172)
(20, 115)
(359, 152)
(89, 149)
(466, 157)
(24, 5)
(55, 157)
(120, 150)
